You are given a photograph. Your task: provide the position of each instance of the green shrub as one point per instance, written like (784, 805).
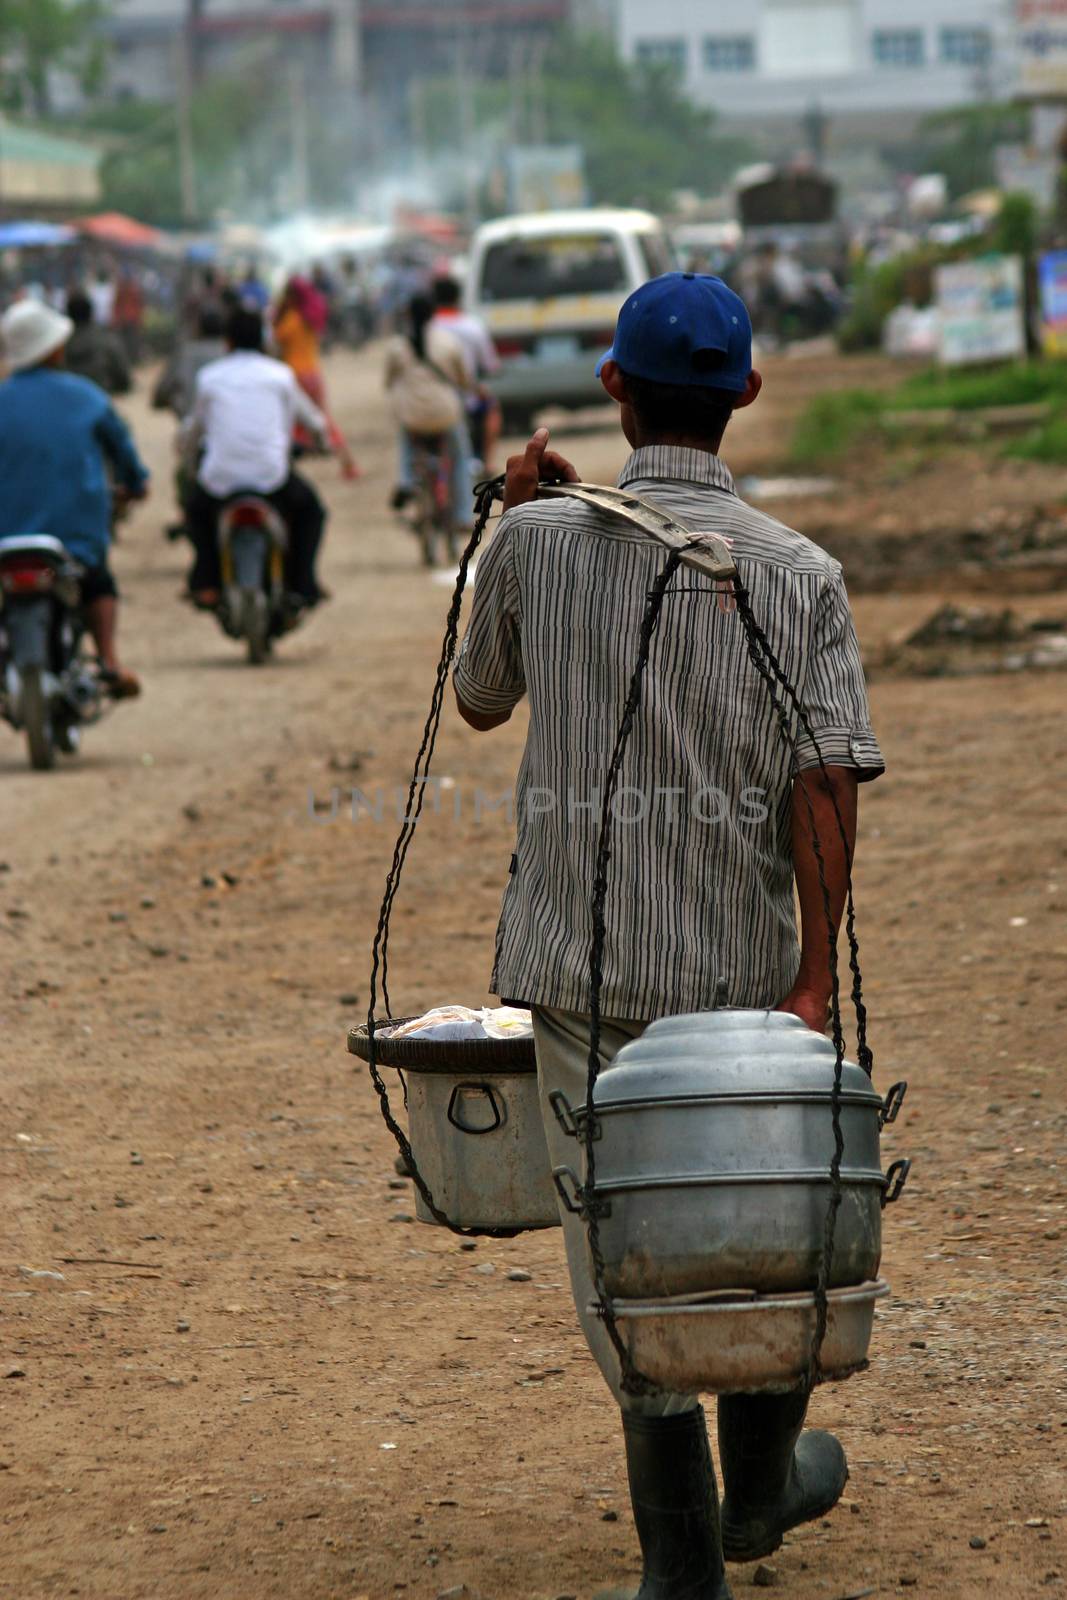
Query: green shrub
(835, 423)
(877, 291)
(1021, 383)
(1047, 443)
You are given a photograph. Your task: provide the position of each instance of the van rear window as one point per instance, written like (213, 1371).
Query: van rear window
(561, 264)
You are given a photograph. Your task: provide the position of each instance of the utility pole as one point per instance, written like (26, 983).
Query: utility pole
(816, 123)
(417, 118)
(347, 53)
(194, 16)
(186, 151)
(298, 110)
(517, 55)
(464, 90)
(539, 102)
(347, 44)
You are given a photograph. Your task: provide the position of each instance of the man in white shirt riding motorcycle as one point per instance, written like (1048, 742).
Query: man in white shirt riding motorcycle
(239, 434)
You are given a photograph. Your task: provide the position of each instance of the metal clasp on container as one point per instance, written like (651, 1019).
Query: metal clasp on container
(571, 1121)
(895, 1179)
(891, 1104)
(577, 1202)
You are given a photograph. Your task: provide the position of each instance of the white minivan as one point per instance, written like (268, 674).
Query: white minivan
(549, 287)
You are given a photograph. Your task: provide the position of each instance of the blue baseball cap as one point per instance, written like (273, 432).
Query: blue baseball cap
(684, 328)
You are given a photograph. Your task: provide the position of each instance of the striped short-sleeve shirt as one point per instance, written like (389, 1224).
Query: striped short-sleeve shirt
(700, 886)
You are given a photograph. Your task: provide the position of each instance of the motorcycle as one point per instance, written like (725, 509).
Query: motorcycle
(255, 605)
(49, 688)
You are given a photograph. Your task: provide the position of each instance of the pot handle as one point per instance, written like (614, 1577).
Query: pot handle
(892, 1103)
(571, 1200)
(564, 1113)
(895, 1179)
(490, 1094)
(578, 1202)
(571, 1121)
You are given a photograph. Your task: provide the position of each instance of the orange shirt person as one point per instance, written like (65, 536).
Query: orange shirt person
(299, 324)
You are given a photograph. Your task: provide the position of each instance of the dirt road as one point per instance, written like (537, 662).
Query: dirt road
(246, 1375)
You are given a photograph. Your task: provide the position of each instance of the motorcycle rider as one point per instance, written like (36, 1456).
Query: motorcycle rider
(59, 433)
(239, 433)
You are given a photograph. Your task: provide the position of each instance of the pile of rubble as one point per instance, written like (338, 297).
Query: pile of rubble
(960, 641)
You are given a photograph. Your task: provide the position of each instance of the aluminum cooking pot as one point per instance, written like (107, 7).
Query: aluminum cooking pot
(475, 1126)
(714, 1143)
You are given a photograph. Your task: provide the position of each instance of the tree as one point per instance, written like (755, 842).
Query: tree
(38, 36)
(1015, 232)
(643, 138)
(961, 143)
(240, 149)
(242, 140)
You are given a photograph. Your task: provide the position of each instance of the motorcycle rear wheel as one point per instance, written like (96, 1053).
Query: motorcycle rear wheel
(37, 720)
(255, 626)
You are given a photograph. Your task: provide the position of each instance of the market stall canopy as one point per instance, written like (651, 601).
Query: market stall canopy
(125, 233)
(30, 234)
(40, 171)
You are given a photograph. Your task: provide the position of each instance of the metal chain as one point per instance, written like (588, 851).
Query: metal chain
(762, 658)
(866, 1057)
(633, 1382)
(412, 812)
(417, 786)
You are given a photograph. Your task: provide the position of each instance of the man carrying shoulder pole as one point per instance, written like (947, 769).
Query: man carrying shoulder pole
(712, 832)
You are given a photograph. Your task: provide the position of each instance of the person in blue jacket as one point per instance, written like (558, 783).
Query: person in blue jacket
(59, 436)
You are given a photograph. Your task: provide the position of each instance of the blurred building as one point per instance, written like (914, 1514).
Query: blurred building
(377, 46)
(148, 39)
(874, 66)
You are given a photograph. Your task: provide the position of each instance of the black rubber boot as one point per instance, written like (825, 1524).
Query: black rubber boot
(676, 1508)
(774, 1477)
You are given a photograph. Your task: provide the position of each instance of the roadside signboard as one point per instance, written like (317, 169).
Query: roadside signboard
(1052, 276)
(546, 178)
(1041, 45)
(980, 310)
(1020, 170)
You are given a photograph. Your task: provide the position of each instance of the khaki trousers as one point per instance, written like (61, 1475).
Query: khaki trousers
(561, 1039)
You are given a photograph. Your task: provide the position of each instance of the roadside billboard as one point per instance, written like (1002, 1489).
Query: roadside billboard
(1021, 170)
(546, 178)
(1052, 276)
(1041, 45)
(980, 310)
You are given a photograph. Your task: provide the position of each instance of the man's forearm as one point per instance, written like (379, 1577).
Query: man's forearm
(814, 798)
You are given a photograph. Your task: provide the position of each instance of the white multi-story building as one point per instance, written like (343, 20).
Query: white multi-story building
(772, 62)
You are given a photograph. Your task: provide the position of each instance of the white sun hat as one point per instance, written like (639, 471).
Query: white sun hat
(32, 331)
